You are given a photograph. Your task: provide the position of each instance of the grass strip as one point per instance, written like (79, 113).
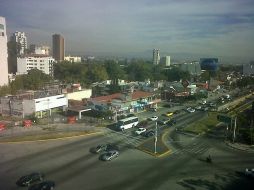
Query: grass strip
(203, 125)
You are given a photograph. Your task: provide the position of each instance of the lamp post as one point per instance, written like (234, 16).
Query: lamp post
(48, 112)
(155, 139)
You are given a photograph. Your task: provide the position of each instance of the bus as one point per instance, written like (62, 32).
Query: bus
(127, 123)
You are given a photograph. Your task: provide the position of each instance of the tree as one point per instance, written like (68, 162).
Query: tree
(175, 74)
(114, 71)
(12, 56)
(139, 71)
(34, 80)
(96, 73)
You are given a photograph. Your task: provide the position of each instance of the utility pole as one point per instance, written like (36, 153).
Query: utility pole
(234, 131)
(155, 138)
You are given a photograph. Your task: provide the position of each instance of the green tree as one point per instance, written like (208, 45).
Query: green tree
(114, 71)
(34, 80)
(97, 73)
(175, 74)
(12, 56)
(139, 71)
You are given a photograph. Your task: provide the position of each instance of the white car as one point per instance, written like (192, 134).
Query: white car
(198, 107)
(153, 118)
(249, 172)
(190, 110)
(140, 131)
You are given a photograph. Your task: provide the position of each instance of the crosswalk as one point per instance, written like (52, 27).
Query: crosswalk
(123, 139)
(192, 148)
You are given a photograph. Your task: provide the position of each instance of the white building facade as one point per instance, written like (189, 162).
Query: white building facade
(167, 60)
(156, 56)
(25, 107)
(20, 38)
(3, 53)
(42, 50)
(73, 59)
(40, 62)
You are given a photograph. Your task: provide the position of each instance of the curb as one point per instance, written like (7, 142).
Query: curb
(239, 148)
(157, 155)
(50, 139)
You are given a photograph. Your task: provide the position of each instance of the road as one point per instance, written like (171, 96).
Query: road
(71, 165)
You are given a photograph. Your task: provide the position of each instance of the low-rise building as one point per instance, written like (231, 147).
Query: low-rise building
(72, 59)
(124, 103)
(31, 103)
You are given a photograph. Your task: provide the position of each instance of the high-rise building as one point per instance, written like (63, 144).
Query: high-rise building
(165, 61)
(156, 56)
(21, 40)
(3, 53)
(192, 67)
(58, 47)
(248, 69)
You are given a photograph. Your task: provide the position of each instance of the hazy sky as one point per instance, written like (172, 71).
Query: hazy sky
(216, 28)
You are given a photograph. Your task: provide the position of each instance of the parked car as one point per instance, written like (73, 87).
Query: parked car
(249, 172)
(104, 147)
(29, 179)
(109, 155)
(153, 118)
(140, 131)
(190, 110)
(45, 185)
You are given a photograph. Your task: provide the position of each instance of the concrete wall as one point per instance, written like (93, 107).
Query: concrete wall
(79, 95)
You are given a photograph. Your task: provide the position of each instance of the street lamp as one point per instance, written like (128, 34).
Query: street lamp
(155, 138)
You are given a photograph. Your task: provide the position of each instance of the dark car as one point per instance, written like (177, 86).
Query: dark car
(163, 121)
(176, 112)
(171, 122)
(29, 179)
(149, 133)
(104, 147)
(45, 185)
(109, 155)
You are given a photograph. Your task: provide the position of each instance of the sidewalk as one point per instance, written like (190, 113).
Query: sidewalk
(239, 146)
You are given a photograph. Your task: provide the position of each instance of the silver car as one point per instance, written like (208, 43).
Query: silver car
(109, 155)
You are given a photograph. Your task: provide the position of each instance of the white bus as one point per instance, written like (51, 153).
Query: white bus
(127, 123)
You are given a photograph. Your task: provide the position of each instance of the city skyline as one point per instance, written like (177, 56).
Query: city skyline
(193, 28)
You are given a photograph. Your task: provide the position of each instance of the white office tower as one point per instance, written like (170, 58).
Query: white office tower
(156, 56)
(3, 53)
(20, 38)
(167, 60)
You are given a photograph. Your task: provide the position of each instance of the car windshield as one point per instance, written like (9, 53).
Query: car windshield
(109, 154)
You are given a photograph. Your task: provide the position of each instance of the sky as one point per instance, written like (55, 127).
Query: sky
(179, 28)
